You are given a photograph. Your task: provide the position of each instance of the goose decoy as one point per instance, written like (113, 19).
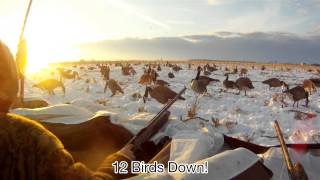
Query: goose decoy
(229, 84)
(146, 79)
(205, 79)
(211, 68)
(298, 93)
(105, 72)
(243, 72)
(50, 85)
(207, 73)
(235, 70)
(113, 86)
(170, 75)
(159, 82)
(161, 93)
(245, 84)
(309, 86)
(197, 85)
(275, 82)
(68, 74)
(176, 68)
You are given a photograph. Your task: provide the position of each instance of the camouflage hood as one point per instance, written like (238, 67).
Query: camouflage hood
(8, 78)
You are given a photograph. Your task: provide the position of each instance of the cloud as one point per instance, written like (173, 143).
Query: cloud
(257, 46)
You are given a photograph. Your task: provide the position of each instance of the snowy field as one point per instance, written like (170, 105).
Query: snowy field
(245, 117)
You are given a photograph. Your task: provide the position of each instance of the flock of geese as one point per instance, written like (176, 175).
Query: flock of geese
(159, 89)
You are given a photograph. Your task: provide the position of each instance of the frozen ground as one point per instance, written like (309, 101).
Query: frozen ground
(248, 117)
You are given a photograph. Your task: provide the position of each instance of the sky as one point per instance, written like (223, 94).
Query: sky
(125, 29)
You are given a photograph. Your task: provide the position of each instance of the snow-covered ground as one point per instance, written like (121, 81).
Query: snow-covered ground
(245, 117)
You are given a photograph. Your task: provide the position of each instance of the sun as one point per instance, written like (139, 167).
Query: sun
(35, 67)
(41, 55)
(43, 52)
(47, 44)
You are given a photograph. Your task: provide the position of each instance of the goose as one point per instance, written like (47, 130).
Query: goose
(211, 68)
(91, 68)
(207, 80)
(105, 72)
(316, 81)
(127, 70)
(298, 93)
(309, 86)
(229, 84)
(243, 72)
(207, 73)
(69, 74)
(245, 84)
(170, 75)
(113, 86)
(159, 82)
(149, 69)
(235, 70)
(197, 85)
(132, 71)
(146, 79)
(50, 85)
(176, 68)
(275, 82)
(154, 73)
(161, 93)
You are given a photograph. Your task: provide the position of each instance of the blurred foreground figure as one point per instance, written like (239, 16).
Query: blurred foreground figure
(29, 151)
(8, 78)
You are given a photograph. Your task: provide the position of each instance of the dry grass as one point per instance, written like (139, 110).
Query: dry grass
(192, 112)
(216, 122)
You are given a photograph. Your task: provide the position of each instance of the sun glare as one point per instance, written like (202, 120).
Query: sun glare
(40, 55)
(35, 67)
(48, 41)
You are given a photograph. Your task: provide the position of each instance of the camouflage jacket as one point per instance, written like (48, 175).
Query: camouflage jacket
(28, 151)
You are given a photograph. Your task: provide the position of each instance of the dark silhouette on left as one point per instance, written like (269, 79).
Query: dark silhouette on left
(29, 151)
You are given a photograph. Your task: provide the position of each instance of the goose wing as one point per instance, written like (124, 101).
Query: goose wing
(198, 86)
(162, 94)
